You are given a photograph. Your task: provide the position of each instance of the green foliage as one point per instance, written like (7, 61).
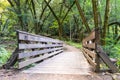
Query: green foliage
(113, 50)
(118, 63)
(55, 25)
(4, 55)
(77, 45)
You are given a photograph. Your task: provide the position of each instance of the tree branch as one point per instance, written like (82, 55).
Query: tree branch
(113, 23)
(44, 10)
(117, 40)
(11, 3)
(106, 17)
(68, 12)
(82, 15)
(52, 11)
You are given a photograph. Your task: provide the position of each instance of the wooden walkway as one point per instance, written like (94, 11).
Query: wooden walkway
(71, 61)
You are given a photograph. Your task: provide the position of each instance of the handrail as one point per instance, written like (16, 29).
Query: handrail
(93, 52)
(89, 50)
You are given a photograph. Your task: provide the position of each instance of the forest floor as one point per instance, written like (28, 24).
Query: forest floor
(18, 75)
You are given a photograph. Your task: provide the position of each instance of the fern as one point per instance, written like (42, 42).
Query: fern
(4, 55)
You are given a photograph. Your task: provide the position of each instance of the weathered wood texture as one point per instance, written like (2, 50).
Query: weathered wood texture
(32, 37)
(33, 48)
(106, 59)
(69, 62)
(93, 52)
(39, 58)
(36, 48)
(90, 53)
(90, 59)
(37, 52)
(89, 46)
(37, 45)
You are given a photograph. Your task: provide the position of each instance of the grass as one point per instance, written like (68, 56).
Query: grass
(4, 55)
(77, 45)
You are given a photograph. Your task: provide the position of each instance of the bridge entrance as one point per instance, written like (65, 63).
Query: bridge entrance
(71, 61)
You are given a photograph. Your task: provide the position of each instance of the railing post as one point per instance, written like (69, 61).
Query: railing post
(97, 41)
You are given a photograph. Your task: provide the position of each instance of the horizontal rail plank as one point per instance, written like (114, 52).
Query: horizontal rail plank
(89, 59)
(90, 53)
(90, 37)
(90, 46)
(38, 38)
(106, 59)
(37, 52)
(33, 60)
(34, 46)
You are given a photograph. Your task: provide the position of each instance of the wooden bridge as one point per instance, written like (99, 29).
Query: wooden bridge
(67, 62)
(48, 55)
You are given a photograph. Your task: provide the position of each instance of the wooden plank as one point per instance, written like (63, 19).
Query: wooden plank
(37, 52)
(66, 63)
(90, 46)
(90, 53)
(23, 32)
(89, 59)
(31, 37)
(106, 59)
(113, 60)
(90, 37)
(97, 60)
(30, 61)
(34, 46)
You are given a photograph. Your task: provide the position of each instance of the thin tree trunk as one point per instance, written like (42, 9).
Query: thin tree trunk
(35, 17)
(117, 40)
(68, 12)
(116, 30)
(58, 20)
(41, 25)
(61, 8)
(60, 30)
(95, 11)
(106, 18)
(41, 16)
(82, 16)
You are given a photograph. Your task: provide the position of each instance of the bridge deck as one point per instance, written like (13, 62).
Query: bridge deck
(69, 62)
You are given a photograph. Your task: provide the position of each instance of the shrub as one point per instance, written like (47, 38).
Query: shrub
(4, 55)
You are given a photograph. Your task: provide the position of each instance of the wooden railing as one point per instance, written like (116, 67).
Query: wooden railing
(33, 48)
(94, 52)
(89, 47)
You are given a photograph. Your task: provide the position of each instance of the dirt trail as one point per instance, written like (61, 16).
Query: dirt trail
(69, 48)
(18, 75)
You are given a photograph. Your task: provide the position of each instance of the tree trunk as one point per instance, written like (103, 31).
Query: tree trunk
(58, 20)
(35, 17)
(106, 18)
(41, 17)
(95, 11)
(82, 16)
(60, 30)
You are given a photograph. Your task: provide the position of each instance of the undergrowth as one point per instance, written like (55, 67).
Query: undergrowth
(4, 55)
(77, 45)
(113, 50)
